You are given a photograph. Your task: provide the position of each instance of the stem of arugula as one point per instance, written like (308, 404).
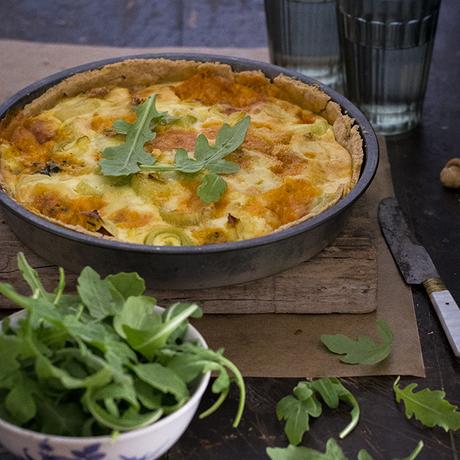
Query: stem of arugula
(350, 399)
(242, 388)
(159, 168)
(216, 405)
(61, 286)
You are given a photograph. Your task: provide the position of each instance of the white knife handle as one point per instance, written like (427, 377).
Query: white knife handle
(447, 310)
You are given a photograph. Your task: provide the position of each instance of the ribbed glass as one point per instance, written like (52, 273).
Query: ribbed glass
(302, 35)
(386, 48)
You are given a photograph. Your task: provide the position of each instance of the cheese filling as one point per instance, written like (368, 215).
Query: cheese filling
(291, 166)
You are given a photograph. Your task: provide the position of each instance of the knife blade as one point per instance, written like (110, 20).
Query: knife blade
(416, 267)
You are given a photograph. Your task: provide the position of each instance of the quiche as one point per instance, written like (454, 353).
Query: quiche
(299, 156)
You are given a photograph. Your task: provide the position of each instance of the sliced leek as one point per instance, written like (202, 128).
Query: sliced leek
(182, 218)
(168, 236)
(83, 188)
(75, 107)
(186, 121)
(151, 189)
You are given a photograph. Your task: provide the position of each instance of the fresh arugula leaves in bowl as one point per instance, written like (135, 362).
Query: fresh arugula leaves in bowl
(84, 366)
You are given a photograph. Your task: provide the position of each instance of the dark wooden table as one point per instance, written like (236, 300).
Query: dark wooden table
(416, 159)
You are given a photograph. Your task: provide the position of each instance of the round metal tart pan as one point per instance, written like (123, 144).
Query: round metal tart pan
(190, 267)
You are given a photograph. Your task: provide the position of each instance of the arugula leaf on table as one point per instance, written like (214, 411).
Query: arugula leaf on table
(364, 350)
(125, 159)
(428, 406)
(209, 158)
(332, 392)
(333, 452)
(363, 454)
(296, 409)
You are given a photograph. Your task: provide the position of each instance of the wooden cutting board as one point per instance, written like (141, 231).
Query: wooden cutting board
(340, 279)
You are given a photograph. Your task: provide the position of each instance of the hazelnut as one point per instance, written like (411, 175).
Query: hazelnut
(450, 174)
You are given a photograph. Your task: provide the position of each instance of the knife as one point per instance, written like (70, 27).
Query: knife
(416, 267)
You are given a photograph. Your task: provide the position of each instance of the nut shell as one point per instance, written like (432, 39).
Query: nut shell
(450, 174)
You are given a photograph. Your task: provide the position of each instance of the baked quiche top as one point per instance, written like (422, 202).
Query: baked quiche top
(297, 154)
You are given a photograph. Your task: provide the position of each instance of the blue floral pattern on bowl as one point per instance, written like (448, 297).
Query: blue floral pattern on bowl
(90, 452)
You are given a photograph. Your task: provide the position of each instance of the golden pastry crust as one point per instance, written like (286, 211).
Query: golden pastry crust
(287, 159)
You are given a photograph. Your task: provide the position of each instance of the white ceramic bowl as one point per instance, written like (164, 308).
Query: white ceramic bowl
(146, 443)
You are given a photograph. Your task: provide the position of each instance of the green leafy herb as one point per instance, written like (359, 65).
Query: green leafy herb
(332, 392)
(211, 188)
(131, 157)
(189, 361)
(20, 401)
(98, 295)
(127, 284)
(137, 313)
(209, 158)
(297, 409)
(428, 406)
(163, 379)
(103, 359)
(364, 350)
(333, 452)
(125, 159)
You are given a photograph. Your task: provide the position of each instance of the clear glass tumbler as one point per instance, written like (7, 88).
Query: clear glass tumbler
(302, 36)
(386, 48)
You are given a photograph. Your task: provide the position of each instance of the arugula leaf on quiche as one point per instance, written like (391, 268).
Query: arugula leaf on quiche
(125, 159)
(131, 156)
(210, 159)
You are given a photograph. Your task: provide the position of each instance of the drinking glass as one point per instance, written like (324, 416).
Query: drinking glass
(386, 48)
(302, 36)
